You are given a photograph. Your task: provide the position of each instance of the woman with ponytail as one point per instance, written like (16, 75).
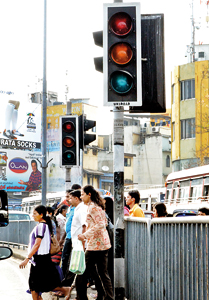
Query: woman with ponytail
(98, 243)
(44, 276)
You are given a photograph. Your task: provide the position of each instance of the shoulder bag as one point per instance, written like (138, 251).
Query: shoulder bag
(55, 247)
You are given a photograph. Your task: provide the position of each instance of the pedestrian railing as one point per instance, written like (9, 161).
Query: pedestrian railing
(17, 232)
(167, 258)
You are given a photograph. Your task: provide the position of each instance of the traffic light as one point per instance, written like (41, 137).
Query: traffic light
(84, 137)
(89, 137)
(153, 67)
(69, 141)
(122, 54)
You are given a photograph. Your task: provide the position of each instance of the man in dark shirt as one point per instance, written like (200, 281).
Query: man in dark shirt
(34, 179)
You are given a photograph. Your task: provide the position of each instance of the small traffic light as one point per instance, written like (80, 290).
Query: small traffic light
(69, 141)
(122, 54)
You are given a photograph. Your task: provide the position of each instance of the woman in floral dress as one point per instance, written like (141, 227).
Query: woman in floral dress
(98, 243)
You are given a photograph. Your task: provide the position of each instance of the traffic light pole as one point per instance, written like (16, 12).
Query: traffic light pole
(44, 108)
(118, 159)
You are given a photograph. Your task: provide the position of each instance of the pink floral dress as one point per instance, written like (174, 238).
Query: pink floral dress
(96, 233)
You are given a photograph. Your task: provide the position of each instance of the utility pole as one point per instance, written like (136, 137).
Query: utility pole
(118, 158)
(44, 108)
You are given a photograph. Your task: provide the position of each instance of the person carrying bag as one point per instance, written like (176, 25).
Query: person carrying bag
(77, 262)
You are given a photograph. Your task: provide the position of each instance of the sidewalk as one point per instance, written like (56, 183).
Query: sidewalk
(22, 254)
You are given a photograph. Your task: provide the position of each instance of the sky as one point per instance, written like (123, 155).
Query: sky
(71, 48)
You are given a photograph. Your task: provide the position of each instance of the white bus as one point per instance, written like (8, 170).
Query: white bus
(29, 203)
(187, 189)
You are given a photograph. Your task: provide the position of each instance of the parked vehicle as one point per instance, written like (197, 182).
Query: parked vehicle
(5, 252)
(184, 213)
(187, 189)
(149, 214)
(15, 215)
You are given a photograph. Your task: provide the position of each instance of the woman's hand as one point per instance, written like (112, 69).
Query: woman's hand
(23, 264)
(81, 237)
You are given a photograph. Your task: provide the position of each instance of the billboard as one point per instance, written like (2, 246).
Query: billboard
(19, 170)
(20, 126)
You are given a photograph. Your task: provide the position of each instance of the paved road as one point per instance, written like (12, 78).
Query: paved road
(14, 281)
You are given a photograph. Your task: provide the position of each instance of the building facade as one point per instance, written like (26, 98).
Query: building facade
(190, 115)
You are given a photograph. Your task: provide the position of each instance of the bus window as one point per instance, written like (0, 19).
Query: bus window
(196, 192)
(168, 195)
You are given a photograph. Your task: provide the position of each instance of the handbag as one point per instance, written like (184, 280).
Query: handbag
(77, 262)
(55, 247)
(110, 229)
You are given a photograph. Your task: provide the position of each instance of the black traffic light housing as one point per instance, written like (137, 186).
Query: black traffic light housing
(69, 141)
(122, 54)
(153, 67)
(84, 137)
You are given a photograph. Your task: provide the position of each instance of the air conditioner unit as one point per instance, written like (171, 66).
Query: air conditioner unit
(155, 129)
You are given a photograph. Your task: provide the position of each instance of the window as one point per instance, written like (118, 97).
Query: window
(125, 123)
(188, 128)
(201, 54)
(127, 162)
(167, 161)
(187, 89)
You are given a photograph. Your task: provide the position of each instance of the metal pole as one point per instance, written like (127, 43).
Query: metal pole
(118, 158)
(44, 108)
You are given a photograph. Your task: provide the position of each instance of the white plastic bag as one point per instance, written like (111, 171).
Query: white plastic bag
(77, 262)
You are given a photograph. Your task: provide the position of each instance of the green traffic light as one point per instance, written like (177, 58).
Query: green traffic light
(121, 81)
(69, 156)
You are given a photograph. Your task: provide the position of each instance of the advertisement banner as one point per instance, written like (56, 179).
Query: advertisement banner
(19, 170)
(53, 138)
(20, 125)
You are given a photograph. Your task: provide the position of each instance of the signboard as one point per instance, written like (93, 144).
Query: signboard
(19, 170)
(20, 126)
(53, 138)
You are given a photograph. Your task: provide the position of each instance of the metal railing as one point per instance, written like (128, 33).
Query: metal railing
(17, 232)
(167, 258)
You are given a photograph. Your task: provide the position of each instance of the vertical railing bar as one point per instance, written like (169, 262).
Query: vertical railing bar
(166, 263)
(172, 261)
(204, 262)
(179, 263)
(190, 258)
(195, 262)
(148, 262)
(199, 260)
(175, 272)
(152, 261)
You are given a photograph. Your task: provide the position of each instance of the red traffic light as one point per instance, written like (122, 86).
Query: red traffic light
(120, 23)
(68, 126)
(121, 53)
